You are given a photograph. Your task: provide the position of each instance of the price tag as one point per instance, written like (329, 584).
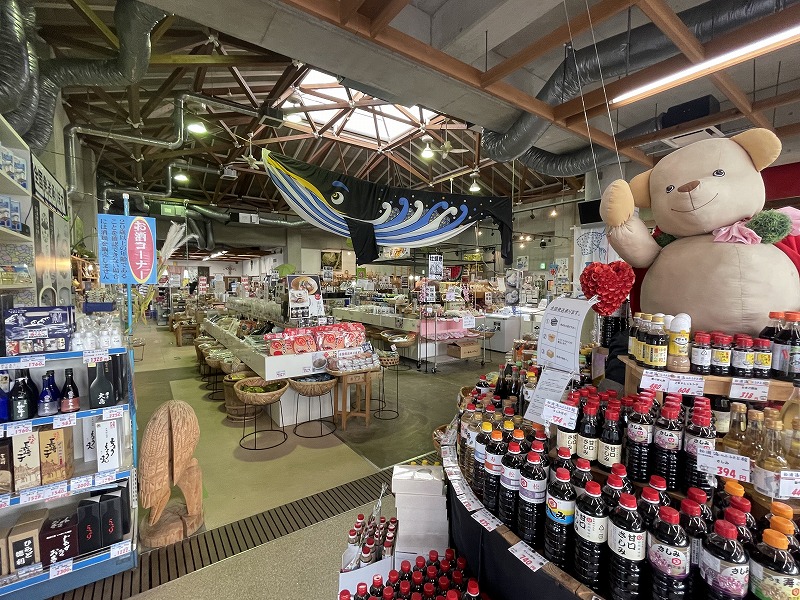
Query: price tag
(31, 495)
(470, 500)
(528, 556)
(450, 296)
(453, 473)
(113, 412)
(789, 485)
(60, 568)
(656, 381)
(95, 356)
(723, 464)
(487, 519)
(67, 420)
(459, 487)
(398, 322)
(19, 428)
(84, 482)
(120, 548)
(754, 390)
(56, 490)
(105, 477)
(556, 413)
(690, 385)
(31, 362)
(449, 437)
(468, 321)
(5, 500)
(448, 452)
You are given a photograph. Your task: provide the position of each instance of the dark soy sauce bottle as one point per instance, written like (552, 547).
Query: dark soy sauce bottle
(559, 531)
(509, 485)
(773, 571)
(648, 506)
(626, 539)
(724, 565)
(495, 450)
(666, 447)
(531, 505)
(591, 537)
(611, 491)
(696, 530)
(701, 498)
(639, 437)
(668, 556)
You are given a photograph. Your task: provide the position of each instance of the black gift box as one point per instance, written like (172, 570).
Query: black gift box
(111, 517)
(58, 539)
(90, 537)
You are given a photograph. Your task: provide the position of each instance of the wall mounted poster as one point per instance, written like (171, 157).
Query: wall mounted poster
(331, 259)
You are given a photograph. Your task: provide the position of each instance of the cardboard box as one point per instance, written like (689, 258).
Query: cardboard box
(108, 446)
(111, 518)
(26, 466)
(350, 580)
(414, 523)
(56, 452)
(89, 536)
(464, 349)
(418, 479)
(16, 215)
(20, 170)
(420, 543)
(5, 211)
(422, 503)
(6, 466)
(23, 541)
(4, 561)
(58, 539)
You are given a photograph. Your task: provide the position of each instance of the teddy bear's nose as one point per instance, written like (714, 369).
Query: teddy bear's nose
(688, 187)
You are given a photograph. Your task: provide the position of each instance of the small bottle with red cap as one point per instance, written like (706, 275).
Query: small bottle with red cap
(404, 591)
(668, 554)
(560, 516)
(648, 505)
(612, 490)
(588, 433)
(743, 504)
(667, 443)
(627, 541)
(473, 590)
(376, 589)
(700, 434)
(620, 471)
(417, 581)
(724, 564)
(696, 531)
(388, 593)
(659, 484)
(745, 536)
(591, 537)
(344, 595)
(563, 460)
(701, 498)
(362, 593)
(609, 447)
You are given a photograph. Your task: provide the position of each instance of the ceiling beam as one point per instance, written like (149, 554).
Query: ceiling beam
(347, 8)
(391, 8)
(95, 21)
(787, 131)
(58, 38)
(161, 29)
(163, 91)
(237, 76)
(215, 60)
(559, 36)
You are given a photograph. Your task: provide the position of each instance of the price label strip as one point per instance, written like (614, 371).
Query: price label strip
(31, 362)
(754, 390)
(556, 413)
(690, 385)
(453, 474)
(113, 412)
(448, 452)
(105, 478)
(120, 548)
(528, 556)
(470, 500)
(657, 381)
(67, 420)
(789, 485)
(5, 500)
(723, 464)
(56, 490)
(19, 428)
(31, 495)
(84, 482)
(459, 487)
(487, 519)
(60, 568)
(95, 356)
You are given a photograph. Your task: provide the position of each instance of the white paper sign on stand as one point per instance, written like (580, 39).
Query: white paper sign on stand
(560, 334)
(551, 386)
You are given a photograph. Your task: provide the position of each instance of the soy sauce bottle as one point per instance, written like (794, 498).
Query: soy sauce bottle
(531, 505)
(562, 461)
(609, 449)
(699, 434)
(581, 476)
(639, 437)
(701, 498)
(667, 446)
(484, 437)
(493, 466)
(773, 572)
(745, 536)
(560, 516)
(611, 492)
(696, 530)
(660, 485)
(543, 458)
(648, 506)
(668, 555)
(724, 565)
(620, 471)
(509, 485)
(626, 539)
(591, 536)
(745, 506)
(588, 434)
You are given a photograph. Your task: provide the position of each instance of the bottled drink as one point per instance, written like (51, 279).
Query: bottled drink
(417, 582)
(482, 387)
(743, 358)
(770, 463)
(463, 434)
(47, 404)
(773, 572)
(648, 506)
(101, 392)
(724, 564)
(701, 498)
(777, 509)
(562, 461)
(344, 595)
(531, 506)
(641, 339)
(786, 349)
(744, 535)
(696, 531)
(620, 471)
(626, 539)
(774, 326)
(591, 536)
(509, 485)
(473, 591)
(657, 345)
(18, 400)
(612, 490)
(678, 352)
(480, 458)
(744, 505)
(721, 410)
(588, 434)
(791, 408)
(659, 484)
(376, 589)
(639, 437)
(70, 396)
(508, 431)
(787, 528)
(495, 450)
(33, 391)
(581, 476)
(560, 516)
(632, 336)
(700, 434)
(701, 354)
(722, 497)
(404, 590)
(500, 388)
(721, 350)
(362, 593)
(668, 554)
(568, 438)
(754, 435)
(738, 426)
(543, 458)
(667, 446)
(609, 448)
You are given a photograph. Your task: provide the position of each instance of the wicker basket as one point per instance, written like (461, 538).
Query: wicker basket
(389, 361)
(238, 376)
(259, 398)
(313, 388)
(232, 367)
(403, 339)
(214, 363)
(440, 430)
(387, 333)
(487, 335)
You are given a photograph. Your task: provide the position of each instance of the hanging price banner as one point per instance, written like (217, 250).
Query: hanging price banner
(528, 556)
(657, 381)
(723, 464)
(67, 420)
(487, 519)
(754, 390)
(556, 413)
(690, 385)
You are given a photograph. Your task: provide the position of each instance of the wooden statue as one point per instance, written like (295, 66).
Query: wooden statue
(166, 460)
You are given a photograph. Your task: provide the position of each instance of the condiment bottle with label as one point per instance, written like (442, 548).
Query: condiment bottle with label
(774, 326)
(773, 572)
(609, 449)
(560, 516)
(634, 329)
(696, 530)
(627, 541)
(648, 505)
(581, 476)
(722, 497)
(668, 555)
(639, 436)
(744, 505)
(657, 345)
(738, 426)
(721, 414)
(611, 491)
(762, 358)
(620, 471)
(753, 439)
(699, 434)
(724, 564)
(721, 350)
(793, 455)
(737, 517)
(791, 408)
(591, 537)
(743, 357)
(787, 528)
(641, 339)
(678, 352)
(668, 439)
(531, 505)
(563, 460)
(770, 463)
(701, 498)
(786, 349)
(701, 354)
(588, 434)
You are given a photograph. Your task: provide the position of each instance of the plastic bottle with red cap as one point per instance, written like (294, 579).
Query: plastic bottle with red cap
(696, 531)
(479, 458)
(388, 593)
(531, 501)
(700, 434)
(508, 495)
(581, 475)
(376, 589)
(588, 433)
(639, 437)
(648, 505)
(659, 484)
(544, 459)
(668, 555)
(612, 490)
(591, 537)
(609, 447)
(563, 460)
(744, 505)
(560, 516)
(495, 451)
(362, 592)
(473, 590)
(627, 541)
(667, 443)
(620, 471)
(344, 595)
(745, 536)
(404, 590)
(701, 498)
(724, 565)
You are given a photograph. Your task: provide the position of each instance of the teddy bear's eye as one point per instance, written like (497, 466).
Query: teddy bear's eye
(670, 188)
(719, 173)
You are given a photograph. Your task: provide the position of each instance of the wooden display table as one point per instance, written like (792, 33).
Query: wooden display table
(181, 330)
(359, 379)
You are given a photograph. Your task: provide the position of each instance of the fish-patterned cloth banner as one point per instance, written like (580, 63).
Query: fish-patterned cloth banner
(372, 214)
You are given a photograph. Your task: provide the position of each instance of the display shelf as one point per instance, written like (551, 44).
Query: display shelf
(16, 286)
(11, 187)
(81, 414)
(75, 485)
(715, 385)
(19, 362)
(9, 236)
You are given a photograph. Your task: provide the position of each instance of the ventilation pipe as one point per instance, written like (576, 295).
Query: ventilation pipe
(22, 117)
(14, 74)
(618, 55)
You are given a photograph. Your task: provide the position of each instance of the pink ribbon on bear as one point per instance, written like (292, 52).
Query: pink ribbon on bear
(739, 233)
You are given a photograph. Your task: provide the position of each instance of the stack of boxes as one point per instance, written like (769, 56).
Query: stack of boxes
(421, 508)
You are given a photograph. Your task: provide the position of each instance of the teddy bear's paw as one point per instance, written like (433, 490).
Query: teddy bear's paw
(617, 205)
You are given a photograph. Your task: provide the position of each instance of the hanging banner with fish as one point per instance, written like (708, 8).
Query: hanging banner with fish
(375, 215)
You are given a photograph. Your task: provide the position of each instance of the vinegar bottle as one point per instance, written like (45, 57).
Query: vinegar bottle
(770, 463)
(791, 408)
(753, 438)
(735, 437)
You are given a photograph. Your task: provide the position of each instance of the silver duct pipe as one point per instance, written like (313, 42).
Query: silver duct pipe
(209, 236)
(194, 228)
(134, 21)
(14, 74)
(21, 118)
(620, 54)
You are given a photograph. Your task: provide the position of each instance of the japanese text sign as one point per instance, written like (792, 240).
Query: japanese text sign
(127, 249)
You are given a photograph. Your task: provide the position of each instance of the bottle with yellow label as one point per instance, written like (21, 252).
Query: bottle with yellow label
(678, 351)
(657, 345)
(641, 338)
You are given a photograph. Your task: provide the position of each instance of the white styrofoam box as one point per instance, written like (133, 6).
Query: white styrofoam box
(433, 527)
(421, 502)
(418, 479)
(351, 579)
(420, 543)
(413, 516)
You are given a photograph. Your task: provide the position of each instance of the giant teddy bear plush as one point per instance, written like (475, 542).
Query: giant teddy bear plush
(712, 254)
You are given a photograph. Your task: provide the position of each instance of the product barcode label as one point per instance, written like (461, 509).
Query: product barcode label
(105, 478)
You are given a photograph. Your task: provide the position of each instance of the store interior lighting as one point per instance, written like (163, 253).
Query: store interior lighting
(554, 213)
(215, 255)
(475, 188)
(181, 177)
(197, 128)
(426, 152)
(292, 117)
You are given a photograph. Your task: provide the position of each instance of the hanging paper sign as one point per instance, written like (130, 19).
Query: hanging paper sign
(560, 333)
(551, 386)
(126, 249)
(246, 283)
(327, 273)
(488, 298)
(435, 266)
(430, 293)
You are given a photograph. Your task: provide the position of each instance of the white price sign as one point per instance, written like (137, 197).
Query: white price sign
(690, 385)
(56, 490)
(113, 412)
(67, 420)
(754, 390)
(723, 464)
(95, 356)
(458, 486)
(34, 361)
(487, 519)
(19, 428)
(790, 484)
(120, 548)
(31, 495)
(470, 500)
(430, 293)
(453, 473)
(105, 477)
(556, 413)
(468, 322)
(84, 482)
(448, 452)
(528, 556)
(657, 381)
(60, 568)
(5, 500)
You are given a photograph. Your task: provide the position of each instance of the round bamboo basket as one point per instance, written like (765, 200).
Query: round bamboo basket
(313, 388)
(236, 410)
(259, 399)
(403, 339)
(440, 430)
(214, 363)
(389, 361)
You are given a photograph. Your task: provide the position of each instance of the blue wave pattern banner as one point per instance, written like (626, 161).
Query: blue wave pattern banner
(373, 214)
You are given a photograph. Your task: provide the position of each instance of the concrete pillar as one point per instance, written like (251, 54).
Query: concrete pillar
(294, 245)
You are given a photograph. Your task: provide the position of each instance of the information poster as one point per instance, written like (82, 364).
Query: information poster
(435, 266)
(560, 334)
(126, 249)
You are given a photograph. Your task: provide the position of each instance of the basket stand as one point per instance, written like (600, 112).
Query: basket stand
(383, 413)
(322, 421)
(282, 436)
(214, 385)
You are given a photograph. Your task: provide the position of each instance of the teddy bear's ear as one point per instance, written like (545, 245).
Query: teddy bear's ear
(640, 188)
(762, 145)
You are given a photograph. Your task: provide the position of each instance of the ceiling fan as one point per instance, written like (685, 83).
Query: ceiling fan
(248, 159)
(444, 149)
